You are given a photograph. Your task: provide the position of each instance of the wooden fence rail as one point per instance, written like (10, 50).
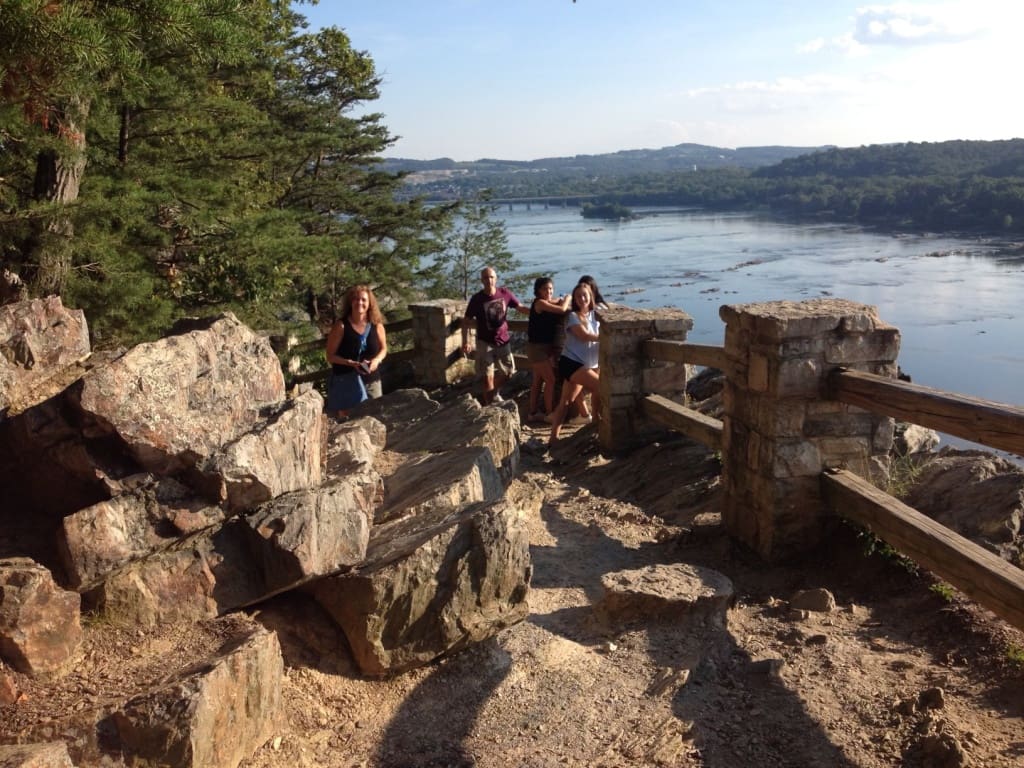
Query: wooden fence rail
(980, 421)
(978, 573)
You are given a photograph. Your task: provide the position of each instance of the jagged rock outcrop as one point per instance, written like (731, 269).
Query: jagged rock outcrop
(280, 454)
(978, 495)
(434, 583)
(466, 423)
(38, 338)
(40, 631)
(213, 715)
(181, 485)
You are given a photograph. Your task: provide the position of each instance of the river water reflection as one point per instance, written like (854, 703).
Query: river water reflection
(957, 303)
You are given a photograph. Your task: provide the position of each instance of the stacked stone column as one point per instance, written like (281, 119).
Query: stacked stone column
(437, 339)
(780, 430)
(626, 374)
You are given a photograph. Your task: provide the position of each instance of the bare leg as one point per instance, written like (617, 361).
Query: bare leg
(487, 396)
(570, 389)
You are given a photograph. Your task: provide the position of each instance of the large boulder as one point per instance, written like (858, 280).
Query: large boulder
(440, 480)
(977, 494)
(176, 401)
(40, 633)
(199, 577)
(309, 534)
(102, 538)
(466, 423)
(279, 454)
(215, 714)
(434, 583)
(676, 592)
(38, 339)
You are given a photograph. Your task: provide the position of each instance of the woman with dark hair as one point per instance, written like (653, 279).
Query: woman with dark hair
(546, 315)
(355, 348)
(599, 302)
(578, 363)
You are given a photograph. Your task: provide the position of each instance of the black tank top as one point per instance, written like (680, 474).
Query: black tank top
(349, 347)
(542, 326)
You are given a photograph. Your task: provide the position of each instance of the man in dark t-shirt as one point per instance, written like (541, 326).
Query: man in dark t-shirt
(488, 313)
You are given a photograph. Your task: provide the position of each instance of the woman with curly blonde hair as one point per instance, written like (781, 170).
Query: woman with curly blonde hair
(355, 348)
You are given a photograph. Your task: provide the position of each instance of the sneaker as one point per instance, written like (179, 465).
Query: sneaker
(536, 416)
(498, 398)
(580, 420)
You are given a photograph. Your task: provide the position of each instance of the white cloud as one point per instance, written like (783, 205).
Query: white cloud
(909, 24)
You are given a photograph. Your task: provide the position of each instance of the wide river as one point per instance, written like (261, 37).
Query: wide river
(959, 304)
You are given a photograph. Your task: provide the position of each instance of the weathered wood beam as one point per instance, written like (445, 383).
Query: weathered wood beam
(984, 577)
(684, 352)
(689, 422)
(993, 424)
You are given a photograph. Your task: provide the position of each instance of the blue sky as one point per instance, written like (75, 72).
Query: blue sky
(525, 79)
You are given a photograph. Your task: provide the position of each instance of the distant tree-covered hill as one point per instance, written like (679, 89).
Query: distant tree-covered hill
(911, 160)
(625, 162)
(943, 186)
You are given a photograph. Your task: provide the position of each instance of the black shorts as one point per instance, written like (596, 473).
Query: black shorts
(567, 367)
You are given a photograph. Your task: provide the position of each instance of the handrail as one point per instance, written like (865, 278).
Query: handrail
(693, 424)
(978, 573)
(996, 425)
(692, 354)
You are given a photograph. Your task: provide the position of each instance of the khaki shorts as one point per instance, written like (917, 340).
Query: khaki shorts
(491, 359)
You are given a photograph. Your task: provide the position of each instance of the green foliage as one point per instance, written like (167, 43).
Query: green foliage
(943, 590)
(612, 211)
(1015, 655)
(903, 474)
(478, 241)
(225, 170)
(872, 546)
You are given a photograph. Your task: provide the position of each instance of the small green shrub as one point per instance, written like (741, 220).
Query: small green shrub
(943, 590)
(1015, 654)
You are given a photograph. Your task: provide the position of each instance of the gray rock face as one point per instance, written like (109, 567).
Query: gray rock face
(278, 455)
(440, 481)
(53, 754)
(433, 584)
(659, 593)
(213, 716)
(466, 423)
(308, 534)
(353, 445)
(40, 633)
(176, 401)
(37, 338)
(978, 495)
(104, 537)
(913, 438)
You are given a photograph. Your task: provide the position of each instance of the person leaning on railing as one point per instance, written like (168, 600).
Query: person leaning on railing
(578, 363)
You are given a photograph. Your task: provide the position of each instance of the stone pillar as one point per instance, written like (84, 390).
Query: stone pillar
(627, 376)
(779, 430)
(437, 340)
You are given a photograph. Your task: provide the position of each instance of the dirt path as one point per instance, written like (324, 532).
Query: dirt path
(896, 675)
